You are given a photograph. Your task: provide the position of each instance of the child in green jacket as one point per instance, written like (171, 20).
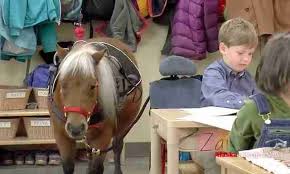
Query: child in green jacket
(273, 79)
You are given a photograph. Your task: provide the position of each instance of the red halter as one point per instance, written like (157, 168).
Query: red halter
(85, 114)
(79, 110)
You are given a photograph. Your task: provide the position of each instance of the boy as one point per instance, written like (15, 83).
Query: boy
(226, 83)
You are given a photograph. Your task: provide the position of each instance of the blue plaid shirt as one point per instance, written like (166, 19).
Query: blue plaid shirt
(222, 87)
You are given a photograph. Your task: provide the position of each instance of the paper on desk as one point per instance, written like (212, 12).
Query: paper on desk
(212, 116)
(223, 122)
(273, 160)
(211, 111)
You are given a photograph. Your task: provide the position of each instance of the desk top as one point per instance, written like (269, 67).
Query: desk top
(170, 116)
(240, 165)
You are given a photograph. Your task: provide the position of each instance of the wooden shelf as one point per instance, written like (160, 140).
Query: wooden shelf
(26, 141)
(25, 112)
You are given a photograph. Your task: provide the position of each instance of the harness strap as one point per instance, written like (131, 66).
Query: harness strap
(263, 107)
(99, 125)
(113, 50)
(55, 109)
(52, 76)
(93, 151)
(261, 103)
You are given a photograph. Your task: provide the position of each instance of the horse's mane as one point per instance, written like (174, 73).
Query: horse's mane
(79, 62)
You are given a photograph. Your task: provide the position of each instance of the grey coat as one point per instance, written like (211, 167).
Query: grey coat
(125, 23)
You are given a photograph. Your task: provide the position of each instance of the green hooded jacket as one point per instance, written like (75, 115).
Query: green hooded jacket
(247, 127)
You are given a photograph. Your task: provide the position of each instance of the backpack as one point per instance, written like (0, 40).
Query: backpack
(275, 132)
(97, 9)
(39, 77)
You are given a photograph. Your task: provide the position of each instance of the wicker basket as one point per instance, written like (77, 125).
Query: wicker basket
(8, 128)
(38, 128)
(12, 97)
(41, 97)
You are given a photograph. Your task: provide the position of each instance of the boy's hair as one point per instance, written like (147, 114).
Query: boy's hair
(273, 72)
(236, 32)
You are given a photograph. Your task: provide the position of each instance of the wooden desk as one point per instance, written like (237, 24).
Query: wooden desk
(237, 165)
(164, 123)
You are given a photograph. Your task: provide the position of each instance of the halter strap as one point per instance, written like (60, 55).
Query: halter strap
(77, 109)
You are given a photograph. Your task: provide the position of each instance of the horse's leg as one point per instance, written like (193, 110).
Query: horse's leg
(99, 139)
(67, 150)
(117, 148)
(126, 117)
(96, 164)
(68, 159)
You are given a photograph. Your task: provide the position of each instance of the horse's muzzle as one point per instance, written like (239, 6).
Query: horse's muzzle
(76, 132)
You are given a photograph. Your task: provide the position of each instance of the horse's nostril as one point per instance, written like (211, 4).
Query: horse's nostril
(75, 132)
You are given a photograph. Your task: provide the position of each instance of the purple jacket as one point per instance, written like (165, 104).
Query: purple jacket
(195, 28)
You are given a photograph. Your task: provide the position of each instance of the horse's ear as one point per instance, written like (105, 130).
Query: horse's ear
(97, 56)
(61, 52)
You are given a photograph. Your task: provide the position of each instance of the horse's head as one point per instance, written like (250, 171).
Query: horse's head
(85, 83)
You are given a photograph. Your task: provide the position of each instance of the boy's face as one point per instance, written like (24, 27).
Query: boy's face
(237, 57)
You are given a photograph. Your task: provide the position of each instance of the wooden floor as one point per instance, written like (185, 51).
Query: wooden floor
(131, 166)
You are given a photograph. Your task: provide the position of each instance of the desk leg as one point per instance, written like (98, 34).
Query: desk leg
(224, 170)
(172, 151)
(155, 150)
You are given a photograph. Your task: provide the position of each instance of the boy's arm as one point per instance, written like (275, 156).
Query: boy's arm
(216, 92)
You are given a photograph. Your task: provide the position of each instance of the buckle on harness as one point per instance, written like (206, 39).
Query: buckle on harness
(96, 151)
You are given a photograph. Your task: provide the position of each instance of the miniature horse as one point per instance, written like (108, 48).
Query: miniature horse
(94, 95)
